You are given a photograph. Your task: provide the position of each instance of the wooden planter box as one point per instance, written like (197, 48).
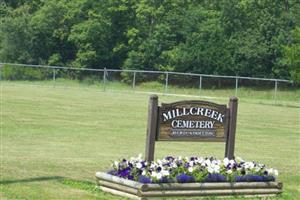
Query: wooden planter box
(136, 190)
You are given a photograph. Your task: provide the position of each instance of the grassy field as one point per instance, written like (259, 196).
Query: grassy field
(284, 96)
(54, 139)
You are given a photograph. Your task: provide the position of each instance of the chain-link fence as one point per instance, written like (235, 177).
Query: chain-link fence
(148, 81)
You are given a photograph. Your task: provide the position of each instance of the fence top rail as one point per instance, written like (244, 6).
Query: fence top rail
(146, 71)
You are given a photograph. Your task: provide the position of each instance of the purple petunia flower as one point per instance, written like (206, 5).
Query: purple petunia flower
(143, 164)
(234, 166)
(254, 178)
(144, 179)
(166, 180)
(239, 179)
(183, 178)
(215, 178)
(268, 178)
(158, 169)
(169, 158)
(124, 172)
(167, 164)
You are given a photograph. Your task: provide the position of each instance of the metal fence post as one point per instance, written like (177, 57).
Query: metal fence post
(200, 84)
(104, 79)
(166, 84)
(236, 85)
(275, 92)
(54, 77)
(133, 81)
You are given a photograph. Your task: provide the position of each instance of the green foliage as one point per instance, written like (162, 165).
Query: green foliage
(292, 56)
(15, 34)
(229, 37)
(23, 73)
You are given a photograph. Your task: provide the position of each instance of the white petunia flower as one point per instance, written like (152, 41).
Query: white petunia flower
(154, 174)
(191, 163)
(229, 171)
(272, 171)
(216, 168)
(174, 165)
(158, 175)
(139, 165)
(191, 169)
(207, 162)
(257, 169)
(249, 165)
(165, 172)
(199, 160)
(210, 170)
(153, 165)
(226, 161)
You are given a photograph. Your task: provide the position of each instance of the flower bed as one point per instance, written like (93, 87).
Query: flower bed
(193, 169)
(188, 177)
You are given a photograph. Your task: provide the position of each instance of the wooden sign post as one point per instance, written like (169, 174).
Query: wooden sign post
(152, 127)
(191, 121)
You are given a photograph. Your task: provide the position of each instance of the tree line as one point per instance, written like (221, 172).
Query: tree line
(258, 38)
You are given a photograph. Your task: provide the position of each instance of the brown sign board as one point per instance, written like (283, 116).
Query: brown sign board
(192, 121)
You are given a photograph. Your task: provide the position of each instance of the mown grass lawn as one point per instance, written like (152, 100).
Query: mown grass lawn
(53, 140)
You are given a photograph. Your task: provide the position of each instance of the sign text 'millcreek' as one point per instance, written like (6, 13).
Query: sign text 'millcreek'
(193, 111)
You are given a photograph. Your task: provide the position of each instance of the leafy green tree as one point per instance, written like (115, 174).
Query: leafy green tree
(52, 25)
(292, 56)
(15, 36)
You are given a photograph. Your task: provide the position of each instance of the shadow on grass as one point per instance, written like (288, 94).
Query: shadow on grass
(28, 180)
(78, 184)
(60, 179)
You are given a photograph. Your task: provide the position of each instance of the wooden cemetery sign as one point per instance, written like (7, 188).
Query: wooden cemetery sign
(191, 121)
(188, 121)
